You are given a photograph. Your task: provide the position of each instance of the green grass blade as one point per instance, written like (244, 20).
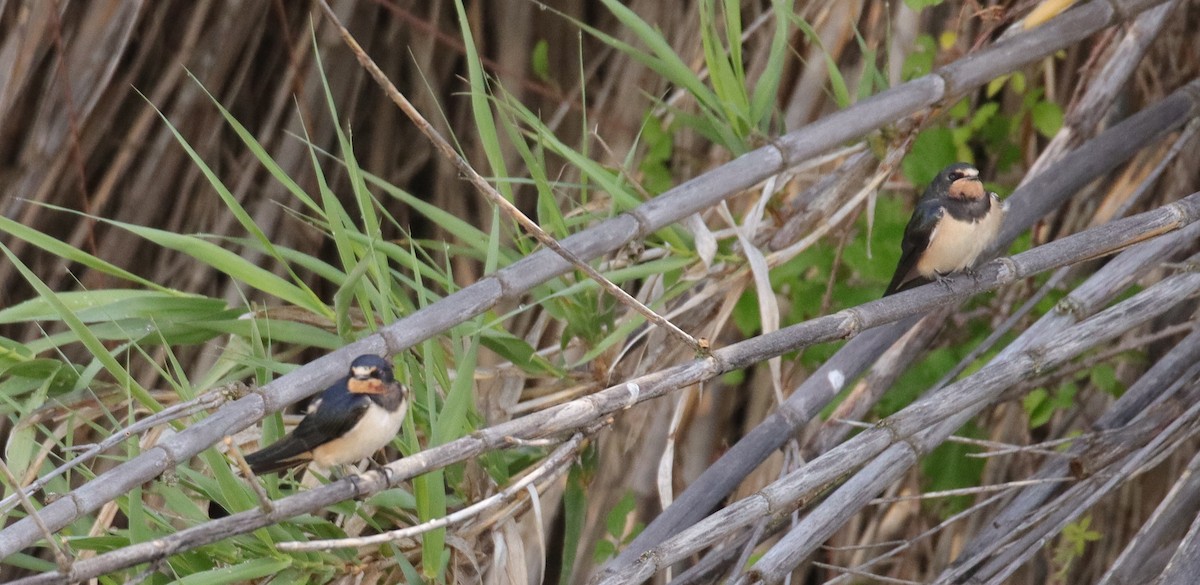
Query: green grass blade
(339, 221)
(91, 342)
(464, 231)
(664, 60)
(229, 263)
(762, 101)
(452, 419)
(341, 299)
(67, 252)
(244, 572)
(231, 202)
(110, 305)
(481, 106)
(837, 83)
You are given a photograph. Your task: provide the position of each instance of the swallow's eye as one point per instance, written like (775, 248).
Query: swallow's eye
(956, 175)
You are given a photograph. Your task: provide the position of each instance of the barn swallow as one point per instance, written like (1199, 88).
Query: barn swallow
(955, 220)
(350, 421)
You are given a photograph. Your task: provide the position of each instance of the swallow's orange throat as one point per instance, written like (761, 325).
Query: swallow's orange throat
(969, 188)
(368, 386)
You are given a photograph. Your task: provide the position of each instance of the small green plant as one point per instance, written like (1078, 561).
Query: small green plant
(1071, 546)
(974, 125)
(620, 530)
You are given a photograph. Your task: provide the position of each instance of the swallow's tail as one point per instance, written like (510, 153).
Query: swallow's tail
(283, 454)
(899, 285)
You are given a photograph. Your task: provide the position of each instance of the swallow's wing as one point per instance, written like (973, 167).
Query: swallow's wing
(331, 416)
(282, 454)
(334, 416)
(917, 235)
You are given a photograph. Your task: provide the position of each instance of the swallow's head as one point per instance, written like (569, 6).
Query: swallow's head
(960, 181)
(369, 374)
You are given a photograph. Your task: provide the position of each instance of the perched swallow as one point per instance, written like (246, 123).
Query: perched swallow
(955, 220)
(347, 423)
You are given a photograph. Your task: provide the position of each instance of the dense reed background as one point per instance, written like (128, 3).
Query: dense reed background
(198, 196)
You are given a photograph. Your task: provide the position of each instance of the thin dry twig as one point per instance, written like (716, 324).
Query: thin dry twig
(264, 501)
(552, 466)
(1000, 487)
(997, 447)
(910, 543)
(856, 572)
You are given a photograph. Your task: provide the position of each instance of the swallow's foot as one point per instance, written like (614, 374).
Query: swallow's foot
(942, 279)
(384, 471)
(373, 465)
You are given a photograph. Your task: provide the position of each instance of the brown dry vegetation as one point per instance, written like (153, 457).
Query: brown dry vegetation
(76, 132)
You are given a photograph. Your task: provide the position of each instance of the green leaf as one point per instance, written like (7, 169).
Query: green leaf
(763, 99)
(540, 60)
(1040, 405)
(1104, 377)
(615, 521)
(343, 297)
(24, 561)
(1047, 118)
(244, 572)
(342, 228)
(932, 150)
(481, 108)
(520, 353)
(276, 330)
(983, 115)
(994, 86)
(919, 5)
(21, 443)
(574, 514)
(1018, 82)
(947, 467)
(231, 203)
(464, 231)
(393, 499)
(452, 419)
(920, 61)
(111, 305)
(664, 60)
(1036, 407)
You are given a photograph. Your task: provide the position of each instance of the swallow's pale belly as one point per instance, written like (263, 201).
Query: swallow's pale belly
(375, 429)
(955, 244)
